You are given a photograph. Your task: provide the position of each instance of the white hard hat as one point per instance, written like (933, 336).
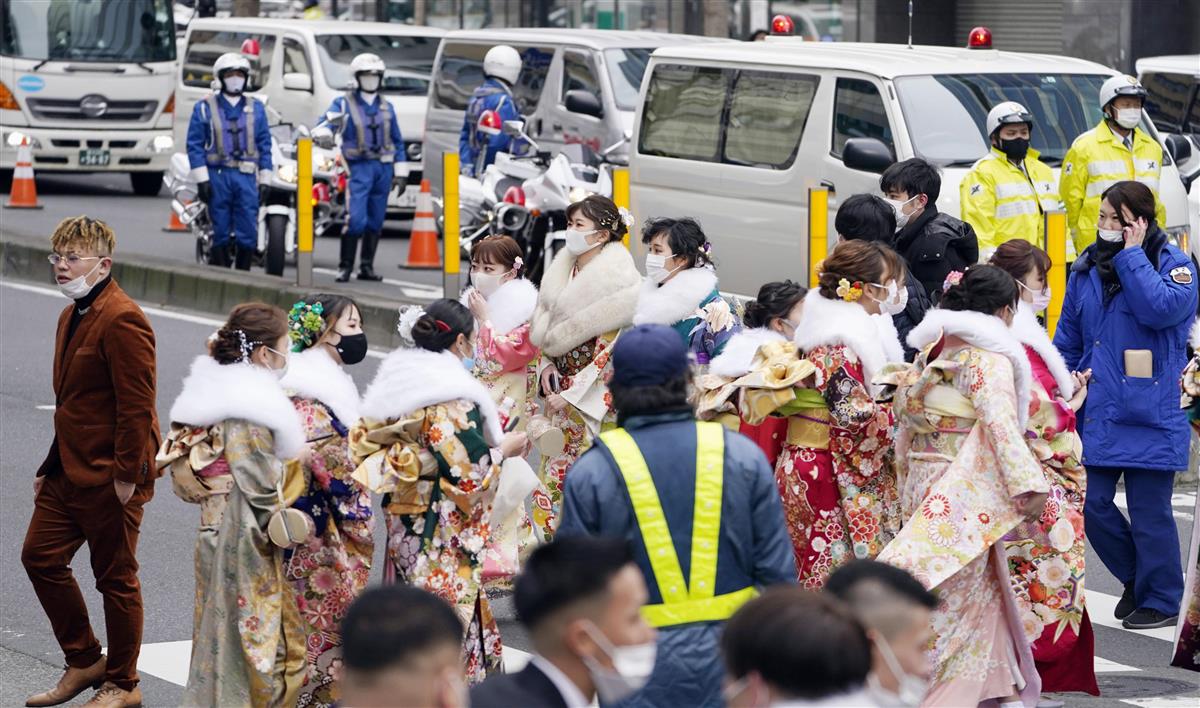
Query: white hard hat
(1120, 86)
(503, 62)
(1007, 113)
(367, 63)
(231, 61)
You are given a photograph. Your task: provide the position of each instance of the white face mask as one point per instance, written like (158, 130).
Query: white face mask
(281, 371)
(1041, 299)
(486, 283)
(656, 267)
(233, 85)
(898, 207)
(1128, 118)
(910, 690)
(577, 242)
(78, 288)
(369, 83)
(1111, 235)
(632, 666)
(895, 301)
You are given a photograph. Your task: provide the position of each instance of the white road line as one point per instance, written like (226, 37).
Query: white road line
(514, 659)
(1163, 702)
(408, 285)
(1100, 609)
(1104, 666)
(1183, 504)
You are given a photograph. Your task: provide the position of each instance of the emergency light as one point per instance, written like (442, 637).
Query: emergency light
(980, 38)
(514, 195)
(783, 26)
(250, 48)
(489, 123)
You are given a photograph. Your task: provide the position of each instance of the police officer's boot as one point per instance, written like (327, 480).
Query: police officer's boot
(244, 258)
(346, 257)
(366, 268)
(218, 255)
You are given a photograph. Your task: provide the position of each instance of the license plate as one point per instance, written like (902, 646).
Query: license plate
(94, 158)
(408, 200)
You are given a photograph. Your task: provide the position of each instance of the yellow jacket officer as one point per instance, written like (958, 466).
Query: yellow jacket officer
(1008, 191)
(1111, 152)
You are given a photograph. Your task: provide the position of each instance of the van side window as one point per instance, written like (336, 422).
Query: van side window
(682, 115)
(295, 59)
(1166, 99)
(1193, 121)
(578, 74)
(205, 46)
(858, 112)
(461, 72)
(766, 119)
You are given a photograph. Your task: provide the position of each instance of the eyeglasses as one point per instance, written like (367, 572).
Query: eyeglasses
(70, 258)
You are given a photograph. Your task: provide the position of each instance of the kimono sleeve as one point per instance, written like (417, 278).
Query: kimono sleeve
(987, 381)
(257, 472)
(589, 388)
(512, 351)
(851, 405)
(455, 432)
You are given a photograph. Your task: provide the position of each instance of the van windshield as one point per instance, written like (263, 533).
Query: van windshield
(945, 114)
(409, 60)
(88, 30)
(625, 69)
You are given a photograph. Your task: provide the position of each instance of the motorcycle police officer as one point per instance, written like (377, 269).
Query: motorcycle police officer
(1009, 190)
(501, 67)
(229, 151)
(375, 158)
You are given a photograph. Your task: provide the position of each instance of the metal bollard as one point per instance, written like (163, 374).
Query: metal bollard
(304, 205)
(451, 245)
(818, 231)
(1056, 279)
(620, 182)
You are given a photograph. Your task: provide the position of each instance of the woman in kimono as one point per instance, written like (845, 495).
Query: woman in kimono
(587, 297)
(1046, 555)
(968, 478)
(333, 566)
(1187, 633)
(680, 288)
(430, 440)
(835, 472)
(232, 427)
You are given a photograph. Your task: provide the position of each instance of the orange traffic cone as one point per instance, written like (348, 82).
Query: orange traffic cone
(422, 244)
(24, 192)
(174, 224)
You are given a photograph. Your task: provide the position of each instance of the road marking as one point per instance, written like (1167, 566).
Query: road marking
(1181, 500)
(46, 408)
(1163, 702)
(411, 289)
(1100, 609)
(515, 659)
(1104, 666)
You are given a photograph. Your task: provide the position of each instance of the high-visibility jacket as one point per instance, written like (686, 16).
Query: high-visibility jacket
(1003, 202)
(1097, 160)
(692, 599)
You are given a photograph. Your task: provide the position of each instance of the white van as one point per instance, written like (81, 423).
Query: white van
(302, 65)
(1173, 103)
(736, 135)
(576, 85)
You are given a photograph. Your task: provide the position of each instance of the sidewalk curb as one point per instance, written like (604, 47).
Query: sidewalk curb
(207, 290)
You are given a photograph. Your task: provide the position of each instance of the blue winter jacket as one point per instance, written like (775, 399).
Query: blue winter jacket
(200, 144)
(754, 548)
(492, 95)
(1127, 421)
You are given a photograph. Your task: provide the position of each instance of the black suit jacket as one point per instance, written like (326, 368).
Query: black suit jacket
(528, 688)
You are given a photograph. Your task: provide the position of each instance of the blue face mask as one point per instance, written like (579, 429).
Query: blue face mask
(469, 363)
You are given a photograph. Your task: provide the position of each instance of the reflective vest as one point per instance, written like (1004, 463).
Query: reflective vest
(1002, 202)
(683, 601)
(232, 144)
(1097, 160)
(379, 146)
(482, 100)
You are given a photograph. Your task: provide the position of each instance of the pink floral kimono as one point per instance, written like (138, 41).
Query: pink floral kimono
(1187, 631)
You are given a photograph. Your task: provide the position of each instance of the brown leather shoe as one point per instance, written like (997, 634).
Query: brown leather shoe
(111, 695)
(73, 682)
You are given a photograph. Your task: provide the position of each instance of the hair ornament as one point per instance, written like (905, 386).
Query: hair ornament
(953, 278)
(850, 292)
(409, 314)
(244, 345)
(518, 264)
(625, 217)
(306, 322)
(442, 326)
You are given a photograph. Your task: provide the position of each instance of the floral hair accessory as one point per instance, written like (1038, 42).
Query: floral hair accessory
(409, 314)
(625, 216)
(245, 346)
(306, 322)
(518, 264)
(953, 278)
(850, 292)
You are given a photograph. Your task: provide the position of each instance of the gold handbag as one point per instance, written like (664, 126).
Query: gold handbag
(289, 527)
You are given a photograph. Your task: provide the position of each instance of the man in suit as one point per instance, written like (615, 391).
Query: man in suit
(580, 599)
(99, 472)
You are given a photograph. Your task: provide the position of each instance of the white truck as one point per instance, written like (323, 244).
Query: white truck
(89, 86)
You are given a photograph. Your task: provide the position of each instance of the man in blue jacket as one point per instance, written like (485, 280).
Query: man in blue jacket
(1130, 302)
(229, 151)
(477, 149)
(698, 504)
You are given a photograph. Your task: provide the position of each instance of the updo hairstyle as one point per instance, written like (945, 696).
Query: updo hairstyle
(775, 300)
(603, 212)
(1018, 257)
(307, 323)
(439, 327)
(498, 249)
(250, 325)
(859, 262)
(983, 288)
(685, 238)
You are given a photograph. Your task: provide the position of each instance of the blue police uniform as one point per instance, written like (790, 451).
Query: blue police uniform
(372, 146)
(229, 145)
(475, 150)
(1133, 426)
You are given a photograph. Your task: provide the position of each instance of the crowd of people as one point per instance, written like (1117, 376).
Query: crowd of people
(871, 492)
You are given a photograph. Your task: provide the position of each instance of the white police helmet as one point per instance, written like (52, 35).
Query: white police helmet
(231, 61)
(502, 62)
(367, 64)
(1120, 86)
(1007, 113)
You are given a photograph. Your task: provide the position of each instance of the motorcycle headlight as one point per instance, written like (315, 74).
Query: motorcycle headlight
(287, 172)
(327, 164)
(1180, 236)
(578, 194)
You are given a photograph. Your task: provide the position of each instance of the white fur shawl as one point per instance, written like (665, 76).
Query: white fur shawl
(411, 379)
(1194, 338)
(599, 299)
(675, 300)
(314, 374)
(735, 359)
(213, 393)
(510, 306)
(986, 332)
(872, 338)
(1026, 329)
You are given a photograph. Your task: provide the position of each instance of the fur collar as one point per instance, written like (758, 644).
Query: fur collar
(1194, 338)
(735, 359)
(675, 300)
(510, 306)
(872, 338)
(1026, 329)
(213, 393)
(986, 332)
(314, 374)
(599, 299)
(410, 379)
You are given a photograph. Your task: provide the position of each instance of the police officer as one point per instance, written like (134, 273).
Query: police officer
(1008, 191)
(1114, 150)
(229, 150)
(375, 159)
(477, 150)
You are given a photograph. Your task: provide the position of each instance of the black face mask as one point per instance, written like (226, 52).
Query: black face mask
(352, 349)
(1015, 149)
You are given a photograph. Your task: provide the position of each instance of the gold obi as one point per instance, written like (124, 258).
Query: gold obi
(809, 428)
(392, 459)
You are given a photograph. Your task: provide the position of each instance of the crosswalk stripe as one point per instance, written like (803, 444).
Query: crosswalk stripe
(1100, 610)
(1104, 666)
(1183, 504)
(1163, 702)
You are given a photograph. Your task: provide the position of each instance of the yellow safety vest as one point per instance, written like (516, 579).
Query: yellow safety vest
(1097, 160)
(1002, 203)
(683, 602)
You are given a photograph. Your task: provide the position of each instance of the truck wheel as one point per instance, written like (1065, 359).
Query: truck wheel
(146, 184)
(276, 248)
